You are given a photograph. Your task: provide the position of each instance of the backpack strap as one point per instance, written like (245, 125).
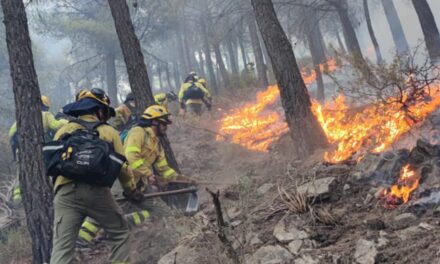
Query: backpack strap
(91, 126)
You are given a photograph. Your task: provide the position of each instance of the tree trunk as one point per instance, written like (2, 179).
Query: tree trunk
(221, 64)
(136, 68)
(348, 30)
(159, 75)
(110, 68)
(168, 75)
(305, 130)
(35, 186)
(379, 58)
(208, 59)
(185, 69)
(176, 76)
(186, 50)
(314, 39)
(396, 27)
(243, 52)
(232, 56)
(341, 45)
(429, 28)
(259, 61)
(202, 64)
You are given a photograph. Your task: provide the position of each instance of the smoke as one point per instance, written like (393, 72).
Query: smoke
(410, 23)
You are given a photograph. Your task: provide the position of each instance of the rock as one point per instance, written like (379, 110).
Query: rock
(185, 255)
(365, 252)
(236, 223)
(263, 189)
(306, 259)
(403, 220)
(233, 213)
(382, 240)
(379, 193)
(317, 187)
(374, 224)
(271, 255)
(346, 187)
(426, 226)
(285, 233)
(408, 232)
(295, 246)
(368, 199)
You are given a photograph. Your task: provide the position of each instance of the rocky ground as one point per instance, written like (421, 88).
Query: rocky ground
(279, 209)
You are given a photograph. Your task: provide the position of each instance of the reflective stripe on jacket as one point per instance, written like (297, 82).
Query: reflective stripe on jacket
(144, 152)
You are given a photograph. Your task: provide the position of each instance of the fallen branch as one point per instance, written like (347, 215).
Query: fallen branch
(221, 227)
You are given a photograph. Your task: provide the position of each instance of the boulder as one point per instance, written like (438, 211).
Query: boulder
(317, 187)
(403, 220)
(287, 232)
(271, 255)
(366, 252)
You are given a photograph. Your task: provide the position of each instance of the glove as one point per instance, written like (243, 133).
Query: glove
(208, 106)
(134, 195)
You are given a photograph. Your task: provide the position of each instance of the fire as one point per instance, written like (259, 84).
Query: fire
(371, 128)
(401, 192)
(354, 132)
(253, 125)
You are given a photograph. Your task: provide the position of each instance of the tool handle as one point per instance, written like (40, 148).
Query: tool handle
(166, 193)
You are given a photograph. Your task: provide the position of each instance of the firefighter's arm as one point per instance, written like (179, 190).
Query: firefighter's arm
(119, 121)
(53, 123)
(126, 175)
(133, 147)
(13, 129)
(164, 170)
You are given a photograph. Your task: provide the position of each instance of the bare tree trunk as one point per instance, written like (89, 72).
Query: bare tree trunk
(221, 64)
(183, 62)
(35, 186)
(396, 27)
(209, 64)
(429, 28)
(202, 64)
(348, 30)
(371, 32)
(159, 75)
(341, 45)
(314, 39)
(243, 51)
(305, 130)
(259, 61)
(136, 68)
(232, 56)
(110, 68)
(176, 76)
(167, 72)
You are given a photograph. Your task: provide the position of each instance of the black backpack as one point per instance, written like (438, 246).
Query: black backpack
(82, 156)
(193, 92)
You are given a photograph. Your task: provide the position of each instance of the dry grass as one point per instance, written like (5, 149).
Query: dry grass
(323, 216)
(296, 202)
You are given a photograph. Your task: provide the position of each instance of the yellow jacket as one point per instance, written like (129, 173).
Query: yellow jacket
(185, 87)
(107, 133)
(144, 152)
(123, 114)
(49, 123)
(161, 99)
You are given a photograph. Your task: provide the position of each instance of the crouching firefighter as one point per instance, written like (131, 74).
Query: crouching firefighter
(86, 158)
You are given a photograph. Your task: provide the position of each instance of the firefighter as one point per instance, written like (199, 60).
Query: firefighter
(165, 99)
(192, 95)
(126, 114)
(75, 200)
(50, 124)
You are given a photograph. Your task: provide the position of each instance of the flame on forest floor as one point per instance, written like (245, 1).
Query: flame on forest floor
(400, 193)
(254, 125)
(371, 128)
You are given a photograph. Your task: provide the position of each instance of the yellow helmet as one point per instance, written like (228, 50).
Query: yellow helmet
(80, 94)
(96, 94)
(202, 81)
(157, 112)
(45, 100)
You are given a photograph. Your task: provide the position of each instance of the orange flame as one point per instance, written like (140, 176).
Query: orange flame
(254, 126)
(401, 192)
(371, 128)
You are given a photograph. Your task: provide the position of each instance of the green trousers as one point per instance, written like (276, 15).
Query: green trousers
(72, 204)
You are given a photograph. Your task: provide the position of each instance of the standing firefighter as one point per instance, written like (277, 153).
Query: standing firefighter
(89, 158)
(192, 95)
(50, 125)
(126, 113)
